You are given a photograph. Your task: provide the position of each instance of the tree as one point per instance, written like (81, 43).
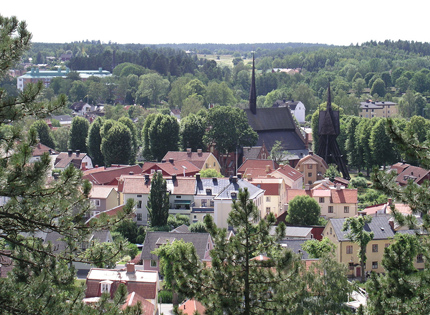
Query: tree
(193, 128)
(228, 130)
(44, 133)
(42, 281)
(318, 249)
(117, 144)
(358, 234)
(78, 134)
(158, 202)
(94, 142)
(260, 286)
(303, 210)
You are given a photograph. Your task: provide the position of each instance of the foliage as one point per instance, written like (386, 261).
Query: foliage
(303, 210)
(210, 173)
(359, 235)
(317, 249)
(158, 202)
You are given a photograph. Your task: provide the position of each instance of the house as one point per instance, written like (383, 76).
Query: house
(347, 251)
(408, 173)
(110, 175)
(202, 160)
(297, 108)
(335, 202)
(274, 124)
(171, 167)
(292, 177)
(141, 285)
(35, 75)
(256, 168)
(79, 160)
(80, 108)
(275, 194)
(313, 167)
(206, 190)
(103, 198)
(202, 243)
(39, 150)
(224, 200)
(370, 109)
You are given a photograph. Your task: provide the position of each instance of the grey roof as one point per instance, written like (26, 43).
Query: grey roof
(379, 226)
(215, 184)
(234, 186)
(199, 240)
(296, 246)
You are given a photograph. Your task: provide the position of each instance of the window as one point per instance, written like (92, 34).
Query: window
(153, 263)
(267, 199)
(374, 248)
(139, 216)
(346, 209)
(420, 258)
(374, 265)
(139, 204)
(321, 199)
(330, 209)
(349, 249)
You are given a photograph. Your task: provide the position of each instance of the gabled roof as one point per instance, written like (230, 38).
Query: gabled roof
(40, 148)
(65, 158)
(380, 226)
(197, 158)
(266, 165)
(290, 172)
(199, 240)
(108, 175)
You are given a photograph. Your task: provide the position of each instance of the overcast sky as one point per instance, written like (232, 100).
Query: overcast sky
(222, 21)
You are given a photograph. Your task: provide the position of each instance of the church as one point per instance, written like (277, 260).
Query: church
(274, 124)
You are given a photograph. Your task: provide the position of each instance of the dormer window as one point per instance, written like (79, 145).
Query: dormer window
(105, 286)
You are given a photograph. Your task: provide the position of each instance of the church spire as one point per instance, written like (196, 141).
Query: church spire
(253, 91)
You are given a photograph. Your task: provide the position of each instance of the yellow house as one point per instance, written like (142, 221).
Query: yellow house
(313, 168)
(347, 251)
(202, 160)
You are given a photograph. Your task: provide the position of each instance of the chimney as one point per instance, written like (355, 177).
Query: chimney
(198, 176)
(69, 152)
(171, 160)
(78, 152)
(130, 268)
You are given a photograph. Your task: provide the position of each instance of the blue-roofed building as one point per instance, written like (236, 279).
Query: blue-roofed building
(224, 200)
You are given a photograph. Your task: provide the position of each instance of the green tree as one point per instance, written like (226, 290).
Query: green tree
(228, 130)
(94, 142)
(78, 134)
(192, 130)
(158, 202)
(44, 133)
(117, 144)
(303, 210)
(42, 281)
(355, 226)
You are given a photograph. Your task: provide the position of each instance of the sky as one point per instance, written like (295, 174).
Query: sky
(333, 22)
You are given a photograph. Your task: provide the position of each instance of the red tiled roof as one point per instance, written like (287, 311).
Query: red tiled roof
(254, 164)
(110, 175)
(289, 172)
(189, 307)
(197, 158)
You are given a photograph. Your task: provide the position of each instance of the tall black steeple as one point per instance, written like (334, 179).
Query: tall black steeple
(253, 91)
(328, 130)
